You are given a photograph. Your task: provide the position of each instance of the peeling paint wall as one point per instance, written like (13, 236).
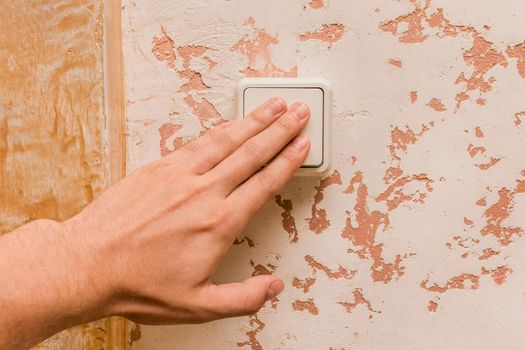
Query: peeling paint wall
(415, 238)
(53, 157)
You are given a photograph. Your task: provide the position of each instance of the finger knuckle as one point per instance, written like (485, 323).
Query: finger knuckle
(283, 124)
(259, 116)
(290, 155)
(198, 187)
(267, 183)
(154, 168)
(191, 147)
(253, 152)
(151, 168)
(221, 138)
(251, 303)
(214, 221)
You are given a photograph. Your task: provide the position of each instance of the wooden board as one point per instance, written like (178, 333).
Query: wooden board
(61, 122)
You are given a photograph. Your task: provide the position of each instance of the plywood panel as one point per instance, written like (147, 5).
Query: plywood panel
(415, 240)
(54, 141)
(52, 156)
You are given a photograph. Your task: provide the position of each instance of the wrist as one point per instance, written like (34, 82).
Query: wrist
(91, 264)
(50, 278)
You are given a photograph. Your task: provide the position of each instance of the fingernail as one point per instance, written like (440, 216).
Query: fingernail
(300, 142)
(274, 289)
(299, 110)
(276, 105)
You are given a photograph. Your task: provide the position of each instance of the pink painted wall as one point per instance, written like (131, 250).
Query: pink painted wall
(415, 239)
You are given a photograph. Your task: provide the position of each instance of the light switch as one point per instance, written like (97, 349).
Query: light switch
(251, 92)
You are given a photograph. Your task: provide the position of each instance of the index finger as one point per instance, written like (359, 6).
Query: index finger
(216, 144)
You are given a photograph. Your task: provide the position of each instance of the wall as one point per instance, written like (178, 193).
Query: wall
(53, 140)
(415, 238)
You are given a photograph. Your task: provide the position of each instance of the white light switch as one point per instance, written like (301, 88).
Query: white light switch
(251, 92)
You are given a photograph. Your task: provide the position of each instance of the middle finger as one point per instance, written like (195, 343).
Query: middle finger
(261, 148)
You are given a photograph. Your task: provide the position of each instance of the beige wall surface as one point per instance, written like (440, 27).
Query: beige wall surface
(414, 240)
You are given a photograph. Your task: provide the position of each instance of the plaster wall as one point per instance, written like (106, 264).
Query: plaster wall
(414, 240)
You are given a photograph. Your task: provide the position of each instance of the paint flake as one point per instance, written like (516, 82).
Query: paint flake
(413, 96)
(288, 221)
(305, 305)
(518, 118)
(432, 306)
(252, 342)
(518, 52)
(328, 33)
(436, 105)
(359, 299)
(482, 57)
(318, 221)
(362, 232)
(488, 253)
(463, 281)
(341, 272)
(497, 213)
(303, 284)
(395, 63)
(317, 4)
(255, 47)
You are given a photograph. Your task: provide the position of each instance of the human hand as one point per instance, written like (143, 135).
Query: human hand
(158, 235)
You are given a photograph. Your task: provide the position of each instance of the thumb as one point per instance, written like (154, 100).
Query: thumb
(238, 299)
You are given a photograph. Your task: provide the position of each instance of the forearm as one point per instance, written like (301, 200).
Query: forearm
(48, 284)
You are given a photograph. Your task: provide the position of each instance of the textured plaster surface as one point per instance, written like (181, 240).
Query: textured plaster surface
(414, 240)
(52, 124)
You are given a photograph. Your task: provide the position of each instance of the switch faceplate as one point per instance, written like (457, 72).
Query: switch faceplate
(251, 92)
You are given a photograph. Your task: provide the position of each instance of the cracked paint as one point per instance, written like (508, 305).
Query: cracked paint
(362, 233)
(432, 306)
(257, 326)
(497, 213)
(359, 299)
(437, 105)
(341, 272)
(288, 220)
(255, 48)
(413, 96)
(317, 4)
(419, 219)
(488, 253)
(328, 33)
(318, 221)
(518, 52)
(305, 305)
(481, 57)
(518, 118)
(395, 63)
(463, 281)
(499, 275)
(164, 49)
(303, 284)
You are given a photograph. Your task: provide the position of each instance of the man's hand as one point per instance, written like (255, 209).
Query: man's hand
(147, 247)
(164, 229)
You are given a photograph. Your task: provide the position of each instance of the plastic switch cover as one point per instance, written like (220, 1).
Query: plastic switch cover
(315, 92)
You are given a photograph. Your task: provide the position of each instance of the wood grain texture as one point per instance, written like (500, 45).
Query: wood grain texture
(52, 151)
(114, 79)
(58, 147)
(119, 328)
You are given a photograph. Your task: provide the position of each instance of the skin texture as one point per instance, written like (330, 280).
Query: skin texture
(160, 233)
